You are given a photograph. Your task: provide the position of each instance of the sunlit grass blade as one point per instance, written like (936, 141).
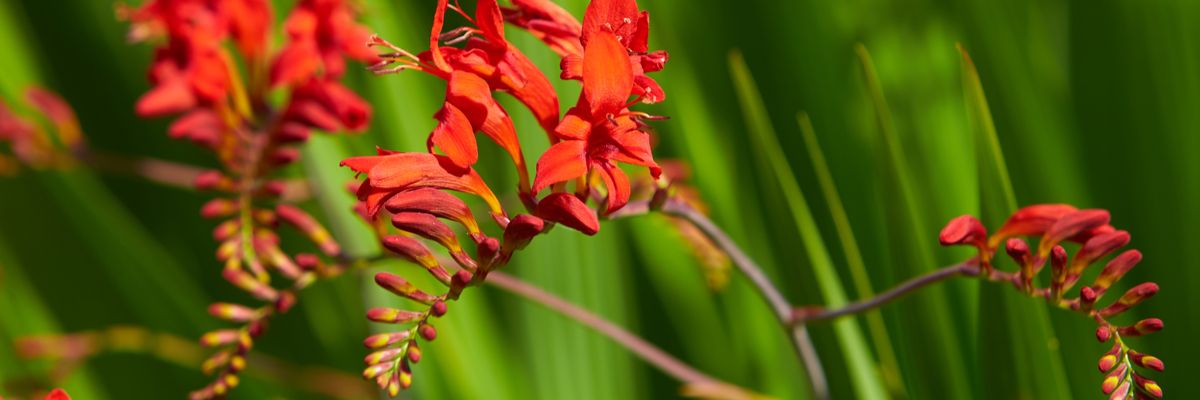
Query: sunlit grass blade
(1032, 363)
(935, 362)
(867, 384)
(888, 365)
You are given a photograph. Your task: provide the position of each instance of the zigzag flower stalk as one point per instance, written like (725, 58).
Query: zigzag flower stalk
(196, 75)
(594, 134)
(1054, 224)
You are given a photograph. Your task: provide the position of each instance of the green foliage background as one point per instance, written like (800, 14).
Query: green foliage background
(1095, 103)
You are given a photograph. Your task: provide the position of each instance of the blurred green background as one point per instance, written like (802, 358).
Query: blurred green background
(1095, 103)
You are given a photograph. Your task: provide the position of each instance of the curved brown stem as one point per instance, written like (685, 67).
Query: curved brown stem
(809, 313)
(798, 333)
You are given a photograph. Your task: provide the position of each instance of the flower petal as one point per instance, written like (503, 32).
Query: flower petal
(576, 125)
(607, 75)
(560, 163)
(617, 16)
(617, 183)
(491, 22)
(434, 202)
(454, 136)
(566, 209)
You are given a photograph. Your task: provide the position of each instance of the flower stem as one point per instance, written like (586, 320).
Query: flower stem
(779, 304)
(810, 314)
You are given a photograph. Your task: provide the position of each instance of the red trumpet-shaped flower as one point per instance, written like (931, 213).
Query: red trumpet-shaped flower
(321, 33)
(600, 130)
(549, 23)
(632, 30)
(391, 173)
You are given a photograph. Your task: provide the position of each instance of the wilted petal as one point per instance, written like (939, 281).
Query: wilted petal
(566, 209)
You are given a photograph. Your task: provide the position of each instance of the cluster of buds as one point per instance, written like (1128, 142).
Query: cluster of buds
(1055, 224)
(607, 53)
(36, 145)
(195, 75)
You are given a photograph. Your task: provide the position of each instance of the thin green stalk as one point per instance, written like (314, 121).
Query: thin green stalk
(889, 366)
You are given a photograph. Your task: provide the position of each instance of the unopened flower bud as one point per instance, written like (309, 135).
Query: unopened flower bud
(249, 283)
(458, 282)
(1146, 361)
(437, 203)
(220, 337)
(1147, 385)
(402, 288)
(1122, 391)
(438, 309)
(1131, 298)
(395, 384)
(486, 253)
(383, 355)
(226, 230)
(964, 230)
(265, 217)
(1114, 378)
(214, 180)
(414, 353)
(382, 340)
(272, 189)
(286, 300)
(1098, 247)
(1109, 360)
(1103, 334)
(392, 315)
(1087, 298)
(428, 227)
(404, 375)
(232, 312)
(1070, 225)
(415, 252)
(566, 209)
(375, 370)
(218, 207)
(292, 132)
(1031, 221)
(520, 232)
(1143, 327)
(217, 360)
(283, 156)
(308, 262)
(1115, 270)
(427, 332)
(309, 226)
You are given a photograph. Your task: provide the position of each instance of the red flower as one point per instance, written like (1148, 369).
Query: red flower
(600, 130)
(320, 34)
(326, 104)
(549, 23)
(632, 29)
(390, 173)
(58, 394)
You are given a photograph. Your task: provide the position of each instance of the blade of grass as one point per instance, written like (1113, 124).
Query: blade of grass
(1033, 361)
(889, 366)
(867, 384)
(936, 367)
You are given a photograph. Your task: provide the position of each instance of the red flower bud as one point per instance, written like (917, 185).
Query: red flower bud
(1115, 270)
(375, 370)
(1070, 225)
(309, 226)
(416, 253)
(1131, 298)
(202, 126)
(427, 332)
(1103, 334)
(214, 180)
(1145, 361)
(220, 337)
(437, 203)
(1143, 327)
(1114, 378)
(568, 210)
(232, 312)
(383, 356)
(414, 353)
(226, 230)
(402, 288)
(438, 309)
(217, 360)
(964, 230)
(1109, 360)
(1122, 391)
(392, 315)
(219, 207)
(283, 156)
(486, 252)
(382, 340)
(57, 394)
(1098, 247)
(1147, 385)
(249, 283)
(428, 227)
(286, 300)
(1031, 221)
(520, 232)
(292, 132)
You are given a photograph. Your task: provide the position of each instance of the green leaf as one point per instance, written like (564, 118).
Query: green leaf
(867, 384)
(1032, 360)
(889, 366)
(935, 367)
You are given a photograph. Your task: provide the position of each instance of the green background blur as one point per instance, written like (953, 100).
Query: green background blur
(1096, 103)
